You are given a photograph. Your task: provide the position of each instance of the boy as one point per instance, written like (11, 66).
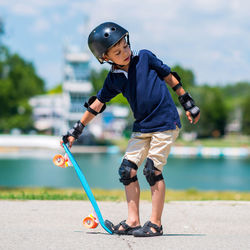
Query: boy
(142, 80)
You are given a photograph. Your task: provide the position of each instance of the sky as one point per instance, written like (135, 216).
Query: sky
(210, 37)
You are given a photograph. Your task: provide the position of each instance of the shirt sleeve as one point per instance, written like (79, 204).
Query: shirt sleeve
(107, 92)
(162, 69)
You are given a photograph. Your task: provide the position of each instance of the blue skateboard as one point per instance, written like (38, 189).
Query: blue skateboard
(107, 225)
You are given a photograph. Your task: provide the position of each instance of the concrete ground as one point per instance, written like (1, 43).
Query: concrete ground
(187, 225)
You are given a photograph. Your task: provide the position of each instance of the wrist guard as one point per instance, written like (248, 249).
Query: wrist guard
(188, 104)
(75, 131)
(178, 78)
(92, 111)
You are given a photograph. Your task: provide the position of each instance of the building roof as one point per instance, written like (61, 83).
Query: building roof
(84, 87)
(77, 57)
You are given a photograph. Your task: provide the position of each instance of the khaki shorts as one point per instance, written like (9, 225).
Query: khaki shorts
(155, 146)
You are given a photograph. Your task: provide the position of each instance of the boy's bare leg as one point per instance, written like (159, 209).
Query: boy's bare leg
(158, 198)
(133, 197)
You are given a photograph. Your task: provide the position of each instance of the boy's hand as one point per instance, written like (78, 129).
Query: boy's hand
(73, 134)
(70, 141)
(190, 118)
(192, 111)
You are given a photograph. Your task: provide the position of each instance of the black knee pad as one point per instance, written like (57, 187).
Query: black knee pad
(124, 172)
(149, 172)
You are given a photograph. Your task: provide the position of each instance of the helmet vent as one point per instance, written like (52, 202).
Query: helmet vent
(106, 34)
(113, 28)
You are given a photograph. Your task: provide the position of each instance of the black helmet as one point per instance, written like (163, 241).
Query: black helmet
(103, 37)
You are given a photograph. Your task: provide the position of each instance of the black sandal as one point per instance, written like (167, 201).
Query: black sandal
(127, 229)
(146, 231)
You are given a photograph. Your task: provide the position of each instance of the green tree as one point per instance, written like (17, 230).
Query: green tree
(235, 93)
(187, 76)
(18, 82)
(214, 113)
(237, 90)
(246, 115)
(58, 89)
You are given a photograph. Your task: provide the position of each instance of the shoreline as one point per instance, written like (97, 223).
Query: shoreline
(22, 144)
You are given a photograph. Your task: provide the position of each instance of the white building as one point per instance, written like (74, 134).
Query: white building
(57, 113)
(76, 87)
(48, 112)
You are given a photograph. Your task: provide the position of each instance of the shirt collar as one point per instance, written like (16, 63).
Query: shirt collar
(114, 70)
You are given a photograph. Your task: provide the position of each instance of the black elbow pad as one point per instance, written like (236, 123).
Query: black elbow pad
(92, 111)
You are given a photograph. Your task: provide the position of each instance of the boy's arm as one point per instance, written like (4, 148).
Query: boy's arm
(88, 116)
(76, 131)
(173, 82)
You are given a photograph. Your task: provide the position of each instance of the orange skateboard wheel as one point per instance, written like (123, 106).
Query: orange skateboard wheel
(59, 161)
(90, 221)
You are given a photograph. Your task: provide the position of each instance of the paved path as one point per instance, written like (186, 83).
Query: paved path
(187, 225)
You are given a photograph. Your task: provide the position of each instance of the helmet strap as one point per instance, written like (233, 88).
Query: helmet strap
(114, 64)
(127, 36)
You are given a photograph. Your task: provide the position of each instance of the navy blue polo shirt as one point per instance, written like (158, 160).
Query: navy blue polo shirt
(146, 91)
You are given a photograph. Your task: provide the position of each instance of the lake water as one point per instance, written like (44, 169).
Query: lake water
(101, 171)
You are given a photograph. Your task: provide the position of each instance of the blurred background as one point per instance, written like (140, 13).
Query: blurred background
(47, 73)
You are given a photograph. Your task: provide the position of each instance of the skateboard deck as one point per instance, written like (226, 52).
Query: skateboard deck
(88, 191)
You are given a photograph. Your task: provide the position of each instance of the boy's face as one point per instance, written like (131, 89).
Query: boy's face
(119, 53)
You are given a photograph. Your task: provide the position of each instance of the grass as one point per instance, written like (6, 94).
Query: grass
(116, 195)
